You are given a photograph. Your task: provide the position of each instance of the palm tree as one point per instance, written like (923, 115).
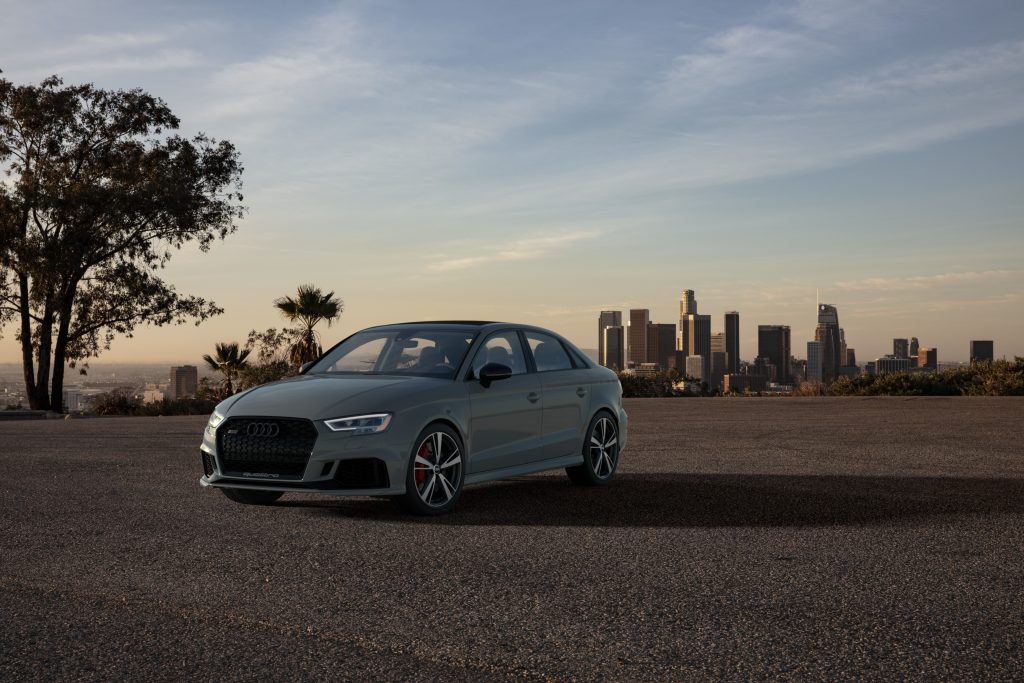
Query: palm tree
(307, 309)
(228, 361)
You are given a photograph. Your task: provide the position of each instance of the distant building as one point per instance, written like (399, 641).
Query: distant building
(613, 348)
(155, 395)
(815, 353)
(737, 383)
(928, 358)
(74, 400)
(695, 367)
(773, 348)
(982, 351)
(827, 332)
(695, 339)
(646, 369)
(184, 381)
(900, 348)
(661, 343)
(889, 365)
(606, 319)
(851, 358)
(914, 346)
(732, 340)
(637, 335)
(765, 368)
(687, 303)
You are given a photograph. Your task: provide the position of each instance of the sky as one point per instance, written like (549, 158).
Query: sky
(539, 162)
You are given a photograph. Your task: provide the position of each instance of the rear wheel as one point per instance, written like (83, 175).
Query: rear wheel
(251, 496)
(433, 482)
(600, 453)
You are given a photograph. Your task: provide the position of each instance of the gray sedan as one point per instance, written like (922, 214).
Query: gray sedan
(417, 411)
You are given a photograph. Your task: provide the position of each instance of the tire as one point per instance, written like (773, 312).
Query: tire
(600, 453)
(433, 481)
(251, 496)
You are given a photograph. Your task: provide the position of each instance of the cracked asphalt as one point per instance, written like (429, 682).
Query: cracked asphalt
(743, 539)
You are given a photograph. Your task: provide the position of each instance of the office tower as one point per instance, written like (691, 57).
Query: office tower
(827, 332)
(695, 367)
(773, 347)
(695, 338)
(661, 343)
(928, 358)
(842, 347)
(888, 365)
(613, 345)
(732, 341)
(637, 335)
(606, 319)
(900, 348)
(982, 351)
(914, 346)
(815, 359)
(687, 303)
(851, 358)
(184, 380)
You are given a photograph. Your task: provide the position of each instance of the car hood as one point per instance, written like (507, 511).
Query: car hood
(320, 397)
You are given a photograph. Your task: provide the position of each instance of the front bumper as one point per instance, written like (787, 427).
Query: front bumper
(336, 463)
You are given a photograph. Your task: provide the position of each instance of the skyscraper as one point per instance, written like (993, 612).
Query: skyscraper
(637, 335)
(687, 303)
(661, 343)
(613, 348)
(827, 332)
(695, 339)
(184, 380)
(928, 358)
(851, 357)
(900, 348)
(982, 351)
(732, 341)
(773, 345)
(815, 352)
(914, 346)
(606, 319)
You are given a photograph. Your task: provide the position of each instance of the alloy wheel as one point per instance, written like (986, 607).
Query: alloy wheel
(437, 469)
(604, 448)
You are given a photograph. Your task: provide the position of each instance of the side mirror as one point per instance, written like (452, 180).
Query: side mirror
(306, 366)
(492, 372)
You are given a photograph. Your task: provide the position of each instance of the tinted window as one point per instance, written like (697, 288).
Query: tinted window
(548, 352)
(431, 353)
(504, 348)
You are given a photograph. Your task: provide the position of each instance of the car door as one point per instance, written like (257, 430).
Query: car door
(566, 395)
(505, 417)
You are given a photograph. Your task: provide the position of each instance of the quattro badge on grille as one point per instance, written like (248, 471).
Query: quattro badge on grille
(264, 429)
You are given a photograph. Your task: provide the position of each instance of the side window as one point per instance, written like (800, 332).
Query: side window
(504, 348)
(362, 358)
(548, 352)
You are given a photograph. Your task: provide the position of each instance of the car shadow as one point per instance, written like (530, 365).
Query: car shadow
(703, 500)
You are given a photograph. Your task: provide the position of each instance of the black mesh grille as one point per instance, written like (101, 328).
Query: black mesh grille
(251, 446)
(361, 473)
(207, 463)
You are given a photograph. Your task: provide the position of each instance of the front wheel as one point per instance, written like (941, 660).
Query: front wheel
(252, 496)
(433, 482)
(600, 453)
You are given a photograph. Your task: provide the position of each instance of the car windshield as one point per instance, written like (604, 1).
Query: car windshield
(425, 353)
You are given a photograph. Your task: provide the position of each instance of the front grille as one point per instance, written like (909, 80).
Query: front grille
(361, 473)
(207, 463)
(254, 446)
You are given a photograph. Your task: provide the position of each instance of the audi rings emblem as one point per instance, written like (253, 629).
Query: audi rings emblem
(266, 429)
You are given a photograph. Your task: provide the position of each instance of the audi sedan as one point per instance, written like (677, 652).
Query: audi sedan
(418, 411)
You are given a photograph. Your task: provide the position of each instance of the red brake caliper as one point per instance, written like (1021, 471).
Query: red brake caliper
(421, 473)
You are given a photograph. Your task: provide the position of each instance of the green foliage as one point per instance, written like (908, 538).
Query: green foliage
(124, 402)
(96, 196)
(647, 386)
(999, 378)
(229, 360)
(308, 308)
(255, 374)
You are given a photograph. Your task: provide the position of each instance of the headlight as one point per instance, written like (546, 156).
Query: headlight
(360, 424)
(215, 420)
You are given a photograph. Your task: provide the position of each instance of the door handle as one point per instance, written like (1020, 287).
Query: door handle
(533, 397)
(581, 392)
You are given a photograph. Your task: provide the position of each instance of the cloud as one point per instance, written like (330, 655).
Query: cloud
(961, 278)
(518, 250)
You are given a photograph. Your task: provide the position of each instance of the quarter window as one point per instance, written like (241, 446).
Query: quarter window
(548, 352)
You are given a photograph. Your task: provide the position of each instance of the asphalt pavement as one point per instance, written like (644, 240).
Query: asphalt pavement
(742, 539)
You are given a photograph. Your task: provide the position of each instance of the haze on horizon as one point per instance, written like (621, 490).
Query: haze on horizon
(539, 162)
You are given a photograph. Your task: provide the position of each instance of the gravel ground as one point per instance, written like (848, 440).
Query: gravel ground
(742, 539)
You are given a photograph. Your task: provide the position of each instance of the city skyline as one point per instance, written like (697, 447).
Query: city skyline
(537, 163)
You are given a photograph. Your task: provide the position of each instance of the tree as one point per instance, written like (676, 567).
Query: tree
(94, 198)
(229, 361)
(307, 309)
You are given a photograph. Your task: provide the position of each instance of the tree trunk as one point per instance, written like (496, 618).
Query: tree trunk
(45, 358)
(25, 335)
(60, 351)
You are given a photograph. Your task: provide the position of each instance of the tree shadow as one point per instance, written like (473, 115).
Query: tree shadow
(703, 500)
